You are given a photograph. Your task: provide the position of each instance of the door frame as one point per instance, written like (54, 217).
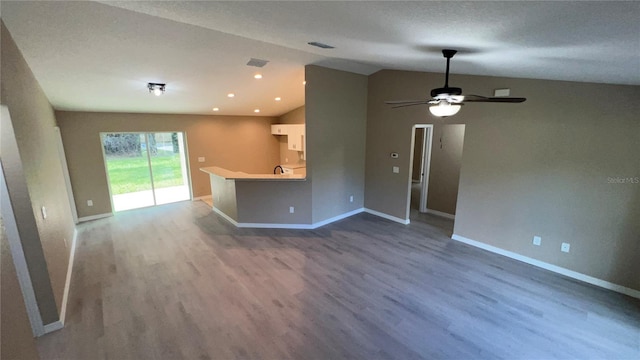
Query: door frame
(15, 242)
(425, 166)
(186, 160)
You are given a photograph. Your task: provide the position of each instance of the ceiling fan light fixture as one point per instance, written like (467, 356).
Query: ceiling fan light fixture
(444, 109)
(156, 89)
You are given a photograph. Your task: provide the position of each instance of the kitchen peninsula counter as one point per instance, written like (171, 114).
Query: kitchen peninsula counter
(239, 175)
(259, 200)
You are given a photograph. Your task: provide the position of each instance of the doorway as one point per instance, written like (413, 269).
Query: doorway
(145, 169)
(421, 139)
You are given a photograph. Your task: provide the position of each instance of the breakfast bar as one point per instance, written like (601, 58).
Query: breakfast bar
(259, 200)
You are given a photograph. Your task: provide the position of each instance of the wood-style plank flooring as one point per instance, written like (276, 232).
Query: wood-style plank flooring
(179, 282)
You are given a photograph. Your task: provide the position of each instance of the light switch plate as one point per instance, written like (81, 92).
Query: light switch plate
(89, 202)
(396, 169)
(44, 212)
(200, 158)
(565, 247)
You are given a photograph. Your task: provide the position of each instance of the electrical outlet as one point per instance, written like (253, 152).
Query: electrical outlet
(89, 202)
(200, 158)
(44, 212)
(291, 209)
(537, 240)
(396, 169)
(351, 198)
(565, 247)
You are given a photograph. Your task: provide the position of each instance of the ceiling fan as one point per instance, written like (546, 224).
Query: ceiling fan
(447, 101)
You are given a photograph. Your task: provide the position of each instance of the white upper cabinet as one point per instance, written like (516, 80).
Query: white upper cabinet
(280, 129)
(295, 135)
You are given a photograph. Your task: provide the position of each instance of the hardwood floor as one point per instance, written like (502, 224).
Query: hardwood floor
(177, 281)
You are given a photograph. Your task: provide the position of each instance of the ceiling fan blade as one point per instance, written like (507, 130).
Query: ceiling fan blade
(410, 104)
(396, 102)
(478, 98)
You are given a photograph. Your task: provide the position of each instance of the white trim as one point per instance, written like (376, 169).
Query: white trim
(275, 226)
(441, 214)
(94, 217)
(15, 244)
(301, 226)
(426, 165)
(387, 216)
(288, 226)
(227, 217)
(336, 218)
(67, 283)
(54, 326)
(557, 269)
(65, 174)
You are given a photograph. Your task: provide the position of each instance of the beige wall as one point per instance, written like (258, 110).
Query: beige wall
(239, 143)
(44, 241)
(16, 338)
(295, 116)
(536, 168)
(336, 116)
(444, 172)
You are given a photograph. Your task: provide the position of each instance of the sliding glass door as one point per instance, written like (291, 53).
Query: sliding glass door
(145, 169)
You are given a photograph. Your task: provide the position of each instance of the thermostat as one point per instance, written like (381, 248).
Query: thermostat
(394, 155)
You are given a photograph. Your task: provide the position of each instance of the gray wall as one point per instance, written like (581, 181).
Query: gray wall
(336, 105)
(16, 338)
(44, 241)
(542, 167)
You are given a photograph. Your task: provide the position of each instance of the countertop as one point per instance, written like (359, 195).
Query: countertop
(238, 175)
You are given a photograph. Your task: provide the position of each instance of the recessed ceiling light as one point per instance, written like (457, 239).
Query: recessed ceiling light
(216, 109)
(231, 95)
(256, 110)
(257, 76)
(278, 99)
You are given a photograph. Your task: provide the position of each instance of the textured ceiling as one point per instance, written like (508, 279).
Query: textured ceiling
(99, 56)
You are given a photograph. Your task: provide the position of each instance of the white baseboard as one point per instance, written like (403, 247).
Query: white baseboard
(557, 269)
(275, 226)
(94, 217)
(308, 226)
(441, 214)
(336, 218)
(388, 217)
(288, 226)
(67, 283)
(54, 326)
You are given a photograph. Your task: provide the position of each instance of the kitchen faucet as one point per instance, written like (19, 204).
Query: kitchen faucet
(276, 168)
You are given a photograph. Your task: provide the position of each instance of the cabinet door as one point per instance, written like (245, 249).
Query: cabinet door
(280, 129)
(294, 140)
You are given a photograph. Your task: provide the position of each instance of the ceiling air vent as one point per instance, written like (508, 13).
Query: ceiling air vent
(257, 62)
(321, 45)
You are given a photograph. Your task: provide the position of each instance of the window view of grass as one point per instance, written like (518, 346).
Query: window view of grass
(131, 174)
(128, 165)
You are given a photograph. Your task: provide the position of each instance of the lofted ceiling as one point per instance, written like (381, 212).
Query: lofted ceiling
(99, 56)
